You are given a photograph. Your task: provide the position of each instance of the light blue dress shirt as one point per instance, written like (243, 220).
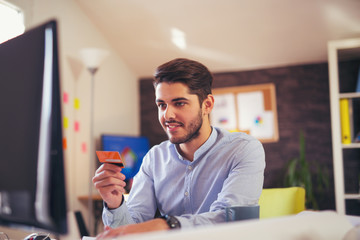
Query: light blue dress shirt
(227, 170)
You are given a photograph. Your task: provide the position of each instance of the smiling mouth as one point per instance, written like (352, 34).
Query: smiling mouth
(173, 125)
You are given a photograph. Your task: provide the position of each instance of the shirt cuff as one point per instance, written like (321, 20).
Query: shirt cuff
(116, 217)
(184, 222)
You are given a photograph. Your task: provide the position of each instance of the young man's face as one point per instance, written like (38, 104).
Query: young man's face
(179, 112)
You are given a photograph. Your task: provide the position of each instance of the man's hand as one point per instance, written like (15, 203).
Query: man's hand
(157, 224)
(109, 181)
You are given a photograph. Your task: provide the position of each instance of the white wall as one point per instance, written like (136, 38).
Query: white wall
(116, 104)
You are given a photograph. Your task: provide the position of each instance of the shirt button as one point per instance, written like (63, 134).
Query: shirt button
(186, 193)
(190, 167)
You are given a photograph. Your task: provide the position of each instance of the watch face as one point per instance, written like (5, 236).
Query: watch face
(172, 221)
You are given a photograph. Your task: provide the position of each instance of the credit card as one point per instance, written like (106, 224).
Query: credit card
(110, 157)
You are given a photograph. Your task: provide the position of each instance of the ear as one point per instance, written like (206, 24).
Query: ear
(208, 104)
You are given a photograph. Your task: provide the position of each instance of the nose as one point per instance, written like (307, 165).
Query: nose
(169, 113)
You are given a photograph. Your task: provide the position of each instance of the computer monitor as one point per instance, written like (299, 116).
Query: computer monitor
(32, 185)
(132, 150)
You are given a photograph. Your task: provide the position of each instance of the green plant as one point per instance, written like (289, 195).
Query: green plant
(298, 173)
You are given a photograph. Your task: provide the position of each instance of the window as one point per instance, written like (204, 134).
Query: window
(11, 21)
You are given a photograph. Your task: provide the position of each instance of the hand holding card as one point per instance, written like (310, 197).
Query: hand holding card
(112, 157)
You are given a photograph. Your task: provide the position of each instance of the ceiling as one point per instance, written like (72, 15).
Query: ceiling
(227, 35)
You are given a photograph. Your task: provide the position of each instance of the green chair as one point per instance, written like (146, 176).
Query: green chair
(276, 202)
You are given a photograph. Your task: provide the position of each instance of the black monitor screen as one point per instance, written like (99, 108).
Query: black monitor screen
(32, 187)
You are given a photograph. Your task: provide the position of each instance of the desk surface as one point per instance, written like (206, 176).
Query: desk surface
(326, 225)
(96, 197)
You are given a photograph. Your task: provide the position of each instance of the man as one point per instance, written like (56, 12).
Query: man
(193, 176)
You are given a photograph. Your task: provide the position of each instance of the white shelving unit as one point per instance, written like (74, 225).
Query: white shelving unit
(336, 50)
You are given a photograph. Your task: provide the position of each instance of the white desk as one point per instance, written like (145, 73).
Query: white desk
(326, 225)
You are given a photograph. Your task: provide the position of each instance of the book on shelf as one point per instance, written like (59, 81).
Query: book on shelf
(345, 121)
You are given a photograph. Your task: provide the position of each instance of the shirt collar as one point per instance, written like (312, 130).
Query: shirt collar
(203, 148)
(207, 144)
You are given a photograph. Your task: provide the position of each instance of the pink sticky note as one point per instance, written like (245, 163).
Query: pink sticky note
(83, 147)
(66, 97)
(77, 126)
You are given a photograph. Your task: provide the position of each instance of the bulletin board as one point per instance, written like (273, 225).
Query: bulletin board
(250, 109)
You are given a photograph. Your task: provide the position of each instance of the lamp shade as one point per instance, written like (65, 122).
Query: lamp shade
(93, 57)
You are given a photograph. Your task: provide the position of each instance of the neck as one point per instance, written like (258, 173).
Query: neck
(188, 149)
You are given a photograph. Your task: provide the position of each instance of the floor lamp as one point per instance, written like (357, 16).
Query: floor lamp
(92, 58)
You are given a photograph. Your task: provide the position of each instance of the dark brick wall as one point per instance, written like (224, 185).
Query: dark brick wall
(302, 95)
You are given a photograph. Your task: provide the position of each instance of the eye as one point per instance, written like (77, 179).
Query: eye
(179, 104)
(161, 105)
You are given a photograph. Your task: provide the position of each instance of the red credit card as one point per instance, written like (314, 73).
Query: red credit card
(110, 157)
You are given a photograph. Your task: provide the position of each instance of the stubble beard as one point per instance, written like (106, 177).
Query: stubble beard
(192, 132)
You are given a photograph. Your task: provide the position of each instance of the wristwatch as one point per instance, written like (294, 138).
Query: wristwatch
(171, 221)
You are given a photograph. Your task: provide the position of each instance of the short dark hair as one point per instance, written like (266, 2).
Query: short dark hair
(192, 73)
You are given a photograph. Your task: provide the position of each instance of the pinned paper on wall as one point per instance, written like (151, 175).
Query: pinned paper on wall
(262, 125)
(83, 147)
(224, 114)
(77, 103)
(66, 122)
(65, 97)
(76, 126)
(250, 105)
(250, 109)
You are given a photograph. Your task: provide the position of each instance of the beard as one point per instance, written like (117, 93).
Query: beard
(192, 131)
